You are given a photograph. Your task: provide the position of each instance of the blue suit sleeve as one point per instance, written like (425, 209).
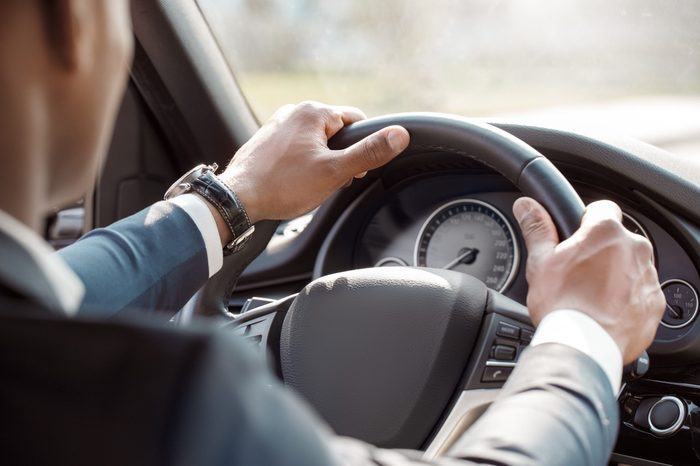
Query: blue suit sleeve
(155, 260)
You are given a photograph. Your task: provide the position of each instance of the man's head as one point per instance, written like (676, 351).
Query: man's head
(63, 69)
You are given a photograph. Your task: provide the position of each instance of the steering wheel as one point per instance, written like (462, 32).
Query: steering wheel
(404, 357)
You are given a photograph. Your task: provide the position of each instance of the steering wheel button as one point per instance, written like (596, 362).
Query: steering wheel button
(496, 374)
(508, 331)
(526, 335)
(503, 352)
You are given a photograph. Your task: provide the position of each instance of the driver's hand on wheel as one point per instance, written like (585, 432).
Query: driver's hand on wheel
(286, 169)
(602, 270)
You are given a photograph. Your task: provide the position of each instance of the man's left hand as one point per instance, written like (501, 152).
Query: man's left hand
(286, 169)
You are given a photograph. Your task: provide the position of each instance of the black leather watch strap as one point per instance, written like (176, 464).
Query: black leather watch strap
(227, 203)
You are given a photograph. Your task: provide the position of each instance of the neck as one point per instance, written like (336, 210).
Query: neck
(23, 167)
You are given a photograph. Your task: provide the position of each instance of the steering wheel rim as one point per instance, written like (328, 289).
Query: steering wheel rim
(309, 332)
(520, 163)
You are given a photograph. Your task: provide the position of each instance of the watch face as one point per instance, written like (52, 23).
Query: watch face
(177, 188)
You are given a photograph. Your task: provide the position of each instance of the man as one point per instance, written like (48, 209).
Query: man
(76, 391)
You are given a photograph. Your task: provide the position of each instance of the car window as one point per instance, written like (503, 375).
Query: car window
(630, 66)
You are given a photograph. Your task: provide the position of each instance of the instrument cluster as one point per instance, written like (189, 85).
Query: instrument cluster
(475, 233)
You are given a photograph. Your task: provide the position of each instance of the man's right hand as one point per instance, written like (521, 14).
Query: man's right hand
(602, 270)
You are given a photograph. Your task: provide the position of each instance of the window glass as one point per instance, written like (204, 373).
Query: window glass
(630, 66)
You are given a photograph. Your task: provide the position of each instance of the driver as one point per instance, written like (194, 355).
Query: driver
(80, 390)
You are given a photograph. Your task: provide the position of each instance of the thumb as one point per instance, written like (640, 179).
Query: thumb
(537, 226)
(374, 151)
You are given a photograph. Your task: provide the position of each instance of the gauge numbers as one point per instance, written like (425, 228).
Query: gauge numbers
(472, 237)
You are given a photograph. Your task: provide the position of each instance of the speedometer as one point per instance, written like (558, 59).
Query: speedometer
(469, 236)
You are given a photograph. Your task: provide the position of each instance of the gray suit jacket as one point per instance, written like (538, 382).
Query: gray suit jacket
(114, 392)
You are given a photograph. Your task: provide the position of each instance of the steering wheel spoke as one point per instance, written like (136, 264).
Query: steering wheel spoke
(506, 331)
(262, 326)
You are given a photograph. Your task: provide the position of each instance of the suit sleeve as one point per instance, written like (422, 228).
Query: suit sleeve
(557, 408)
(155, 259)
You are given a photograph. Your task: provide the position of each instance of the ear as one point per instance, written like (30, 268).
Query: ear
(68, 27)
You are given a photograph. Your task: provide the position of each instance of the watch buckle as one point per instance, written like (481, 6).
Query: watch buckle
(237, 243)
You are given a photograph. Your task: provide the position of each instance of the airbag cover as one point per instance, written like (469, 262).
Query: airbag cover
(380, 352)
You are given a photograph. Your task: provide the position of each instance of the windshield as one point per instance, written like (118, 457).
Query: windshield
(627, 66)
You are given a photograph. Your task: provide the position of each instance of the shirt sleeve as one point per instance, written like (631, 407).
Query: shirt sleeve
(581, 332)
(200, 214)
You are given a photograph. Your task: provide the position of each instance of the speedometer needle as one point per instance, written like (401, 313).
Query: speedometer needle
(461, 258)
(675, 310)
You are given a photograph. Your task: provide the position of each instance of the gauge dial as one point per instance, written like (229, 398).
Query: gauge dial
(681, 303)
(472, 237)
(634, 226)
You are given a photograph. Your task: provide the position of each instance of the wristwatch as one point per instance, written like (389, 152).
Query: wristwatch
(202, 180)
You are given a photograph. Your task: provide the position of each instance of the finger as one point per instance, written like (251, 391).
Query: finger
(373, 151)
(599, 211)
(643, 250)
(361, 175)
(538, 229)
(341, 116)
(350, 114)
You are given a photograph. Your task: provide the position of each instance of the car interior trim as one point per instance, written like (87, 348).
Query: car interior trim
(469, 406)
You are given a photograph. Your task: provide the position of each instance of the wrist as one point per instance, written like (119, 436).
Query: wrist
(228, 212)
(245, 195)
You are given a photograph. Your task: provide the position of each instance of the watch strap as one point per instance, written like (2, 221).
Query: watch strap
(224, 199)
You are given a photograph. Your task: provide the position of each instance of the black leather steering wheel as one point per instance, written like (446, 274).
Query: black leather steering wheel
(522, 165)
(390, 355)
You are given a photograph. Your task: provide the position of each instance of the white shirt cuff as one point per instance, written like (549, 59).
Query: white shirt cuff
(199, 211)
(579, 331)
